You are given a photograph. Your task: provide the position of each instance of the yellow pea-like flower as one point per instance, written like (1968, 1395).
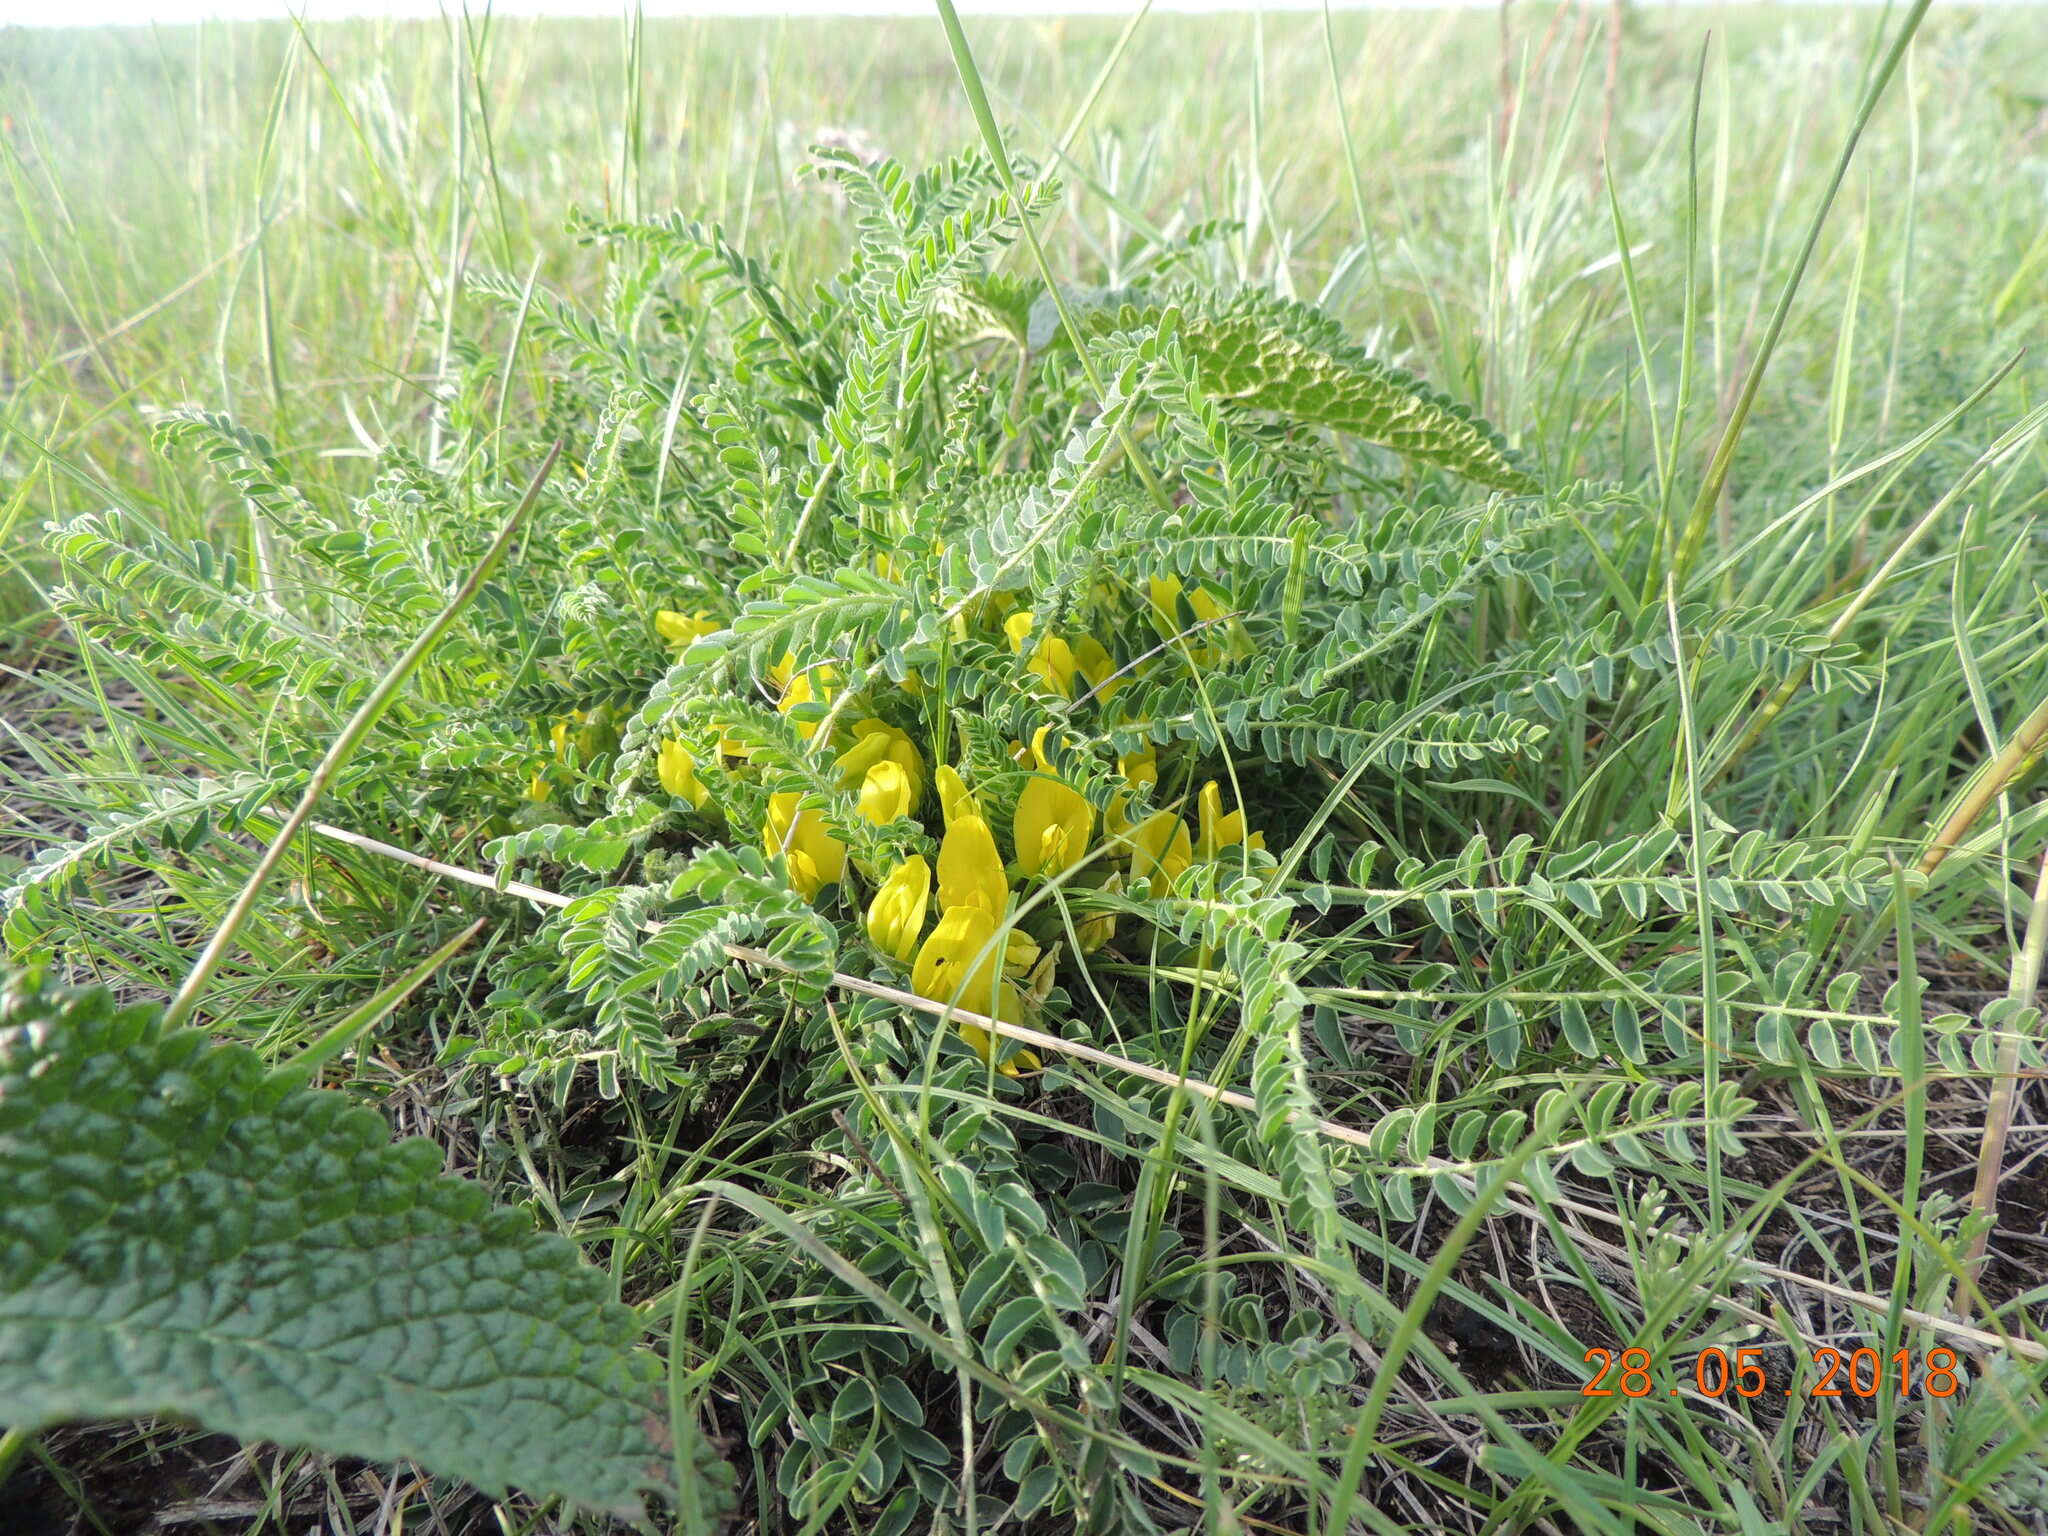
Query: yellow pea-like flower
(816, 858)
(1094, 932)
(677, 770)
(1139, 769)
(1165, 593)
(1097, 665)
(1053, 660)
(961, 962)
(538, 788)
(1052, 826)
(955, 798)
(970, 869)
(876, 741)
(812, 685)
(885, 793)
(1161, 847)
(683, 629)
(1010, 1009)
(896, 915)
(1220, 831)
(560, 736)
(1054, 820)
(1020, 953)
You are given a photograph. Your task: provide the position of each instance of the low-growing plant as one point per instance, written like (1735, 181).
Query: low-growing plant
(1089, 838)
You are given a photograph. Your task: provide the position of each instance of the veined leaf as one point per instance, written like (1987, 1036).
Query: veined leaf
(184, 1234)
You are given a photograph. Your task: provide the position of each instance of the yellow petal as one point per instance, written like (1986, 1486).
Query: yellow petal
(677, 770)
(896, 915)
(681, 629)
(970, 869)
(1052, 826)
(955, 799)
(816, 858)
(1160, 847)
(885, 793)
(1097, 665)
(1094, 932)
(813, 685)
(960, 963)
(1055, 665)
(1020, 953)
(1009, 1009)
(1220, 831)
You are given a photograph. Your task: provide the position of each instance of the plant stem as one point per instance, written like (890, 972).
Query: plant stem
(352, 734)
(2026, 980)
(2002, 770)
(14, 1445)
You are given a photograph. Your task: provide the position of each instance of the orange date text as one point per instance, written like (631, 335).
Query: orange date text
(1718, 1372)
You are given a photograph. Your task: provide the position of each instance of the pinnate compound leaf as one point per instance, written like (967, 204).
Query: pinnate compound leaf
(183, 1234)
(1265, 353)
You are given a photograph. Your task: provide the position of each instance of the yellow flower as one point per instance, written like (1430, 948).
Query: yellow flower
(960, 963)
(1020, 953)
(1161, 847)
(885, 793)
(1053, 660)
(816, 858)
(812, 685)
(1166, 592)
(896, 915)
(1218, 627)
(876, 741)
(1053, 821)
(1139, 769)
(1010, 1009)
(1218, 830)
(682, 629)
(955, 799)
(1052, 826)
(538, 788)
(560, 735)
(1094, 932)
(970, 869)
(678, 772)
(1097, 665)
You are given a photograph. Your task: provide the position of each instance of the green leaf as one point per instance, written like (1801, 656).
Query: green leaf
(183, 1234)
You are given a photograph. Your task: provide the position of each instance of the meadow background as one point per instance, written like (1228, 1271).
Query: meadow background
(276, 224)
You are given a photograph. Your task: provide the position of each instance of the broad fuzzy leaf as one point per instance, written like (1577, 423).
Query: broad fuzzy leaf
(184, 1235)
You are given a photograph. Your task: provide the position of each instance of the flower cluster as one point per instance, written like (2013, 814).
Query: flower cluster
(958, 928)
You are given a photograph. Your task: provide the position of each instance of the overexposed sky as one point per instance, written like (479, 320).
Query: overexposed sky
(85, 13)
(82, 13)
